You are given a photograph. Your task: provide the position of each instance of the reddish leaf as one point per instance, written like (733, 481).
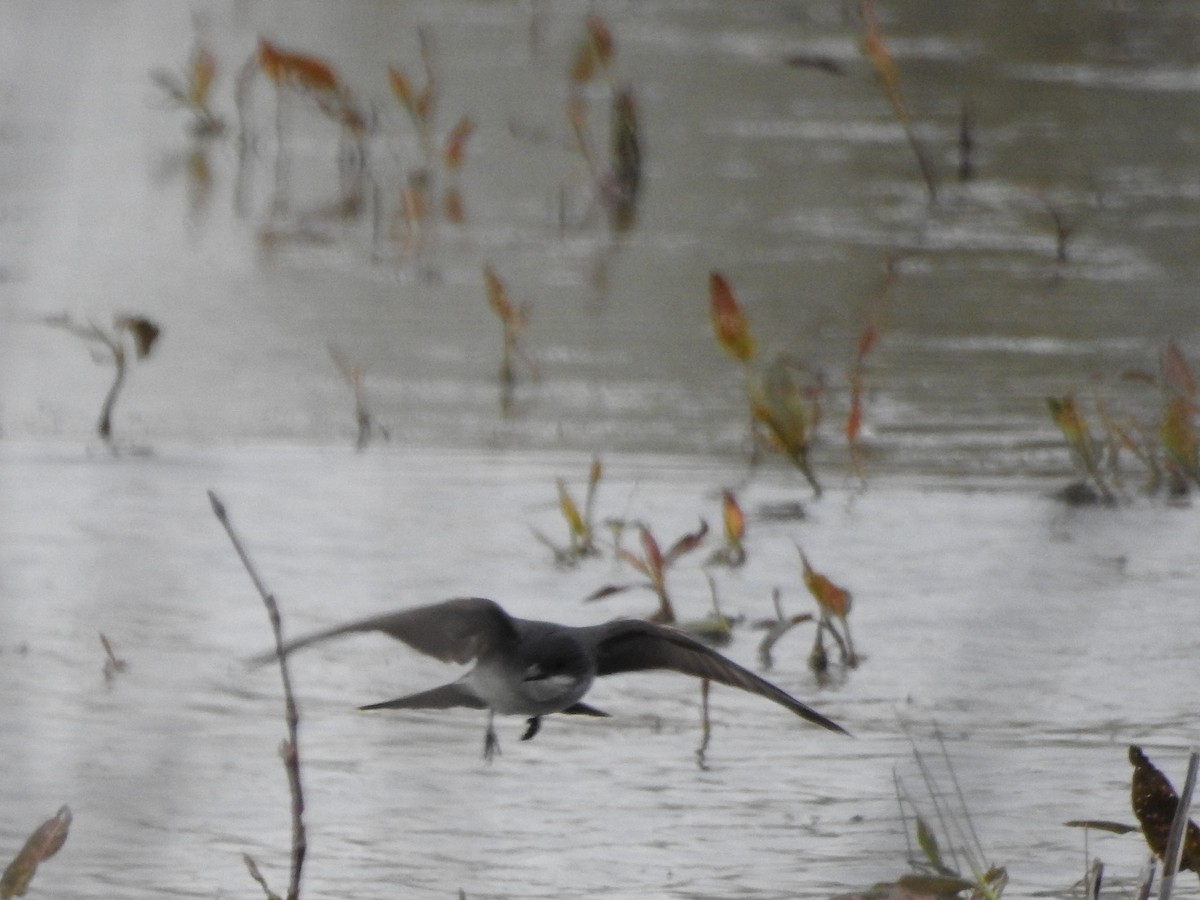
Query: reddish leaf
(654, 557)
(854, 416)
(607, 591)
(831, 598)
(687, 543)
(497, 296)
(594, 50)
(877, 54)
(728, 322)
(300, 70)
(456, 143)
(402, 90)
(866, 342)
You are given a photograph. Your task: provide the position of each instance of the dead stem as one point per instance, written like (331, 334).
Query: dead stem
(290, 749)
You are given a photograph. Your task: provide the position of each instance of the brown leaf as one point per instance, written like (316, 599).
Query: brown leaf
(401, 88)
(831, 598)
(46, 840)
(1102, 825)
(607, 591)
(654, 557)
(497, 296)
(144, 332)
(686, 544)
(456, 143)
(1154, 803)
(297, 69)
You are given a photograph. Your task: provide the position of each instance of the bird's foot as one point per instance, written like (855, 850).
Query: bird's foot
(491, 744)
(535, 725)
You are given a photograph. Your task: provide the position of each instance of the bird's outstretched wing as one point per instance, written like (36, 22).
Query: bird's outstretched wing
(634, 645)
(447, 696)
(453, 631)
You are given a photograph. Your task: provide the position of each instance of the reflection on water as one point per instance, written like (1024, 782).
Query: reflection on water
(317, 268)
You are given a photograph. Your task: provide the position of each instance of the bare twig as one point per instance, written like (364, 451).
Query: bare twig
(705, 726)
(290, 750)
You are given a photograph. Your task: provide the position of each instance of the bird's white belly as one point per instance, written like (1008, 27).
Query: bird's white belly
(514, 696)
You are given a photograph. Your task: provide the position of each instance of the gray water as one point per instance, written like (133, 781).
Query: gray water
(1040, 639)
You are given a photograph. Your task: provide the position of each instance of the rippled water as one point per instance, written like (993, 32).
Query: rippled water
(1041, 640)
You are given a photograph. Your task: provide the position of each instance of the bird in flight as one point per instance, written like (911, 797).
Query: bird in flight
(530, 668)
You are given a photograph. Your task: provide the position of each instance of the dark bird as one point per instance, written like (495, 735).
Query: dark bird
(530, 668)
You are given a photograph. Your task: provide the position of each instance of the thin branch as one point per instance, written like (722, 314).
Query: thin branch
(290, 750)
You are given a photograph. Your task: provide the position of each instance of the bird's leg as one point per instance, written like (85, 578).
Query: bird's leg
(535, 725)
(491, 742)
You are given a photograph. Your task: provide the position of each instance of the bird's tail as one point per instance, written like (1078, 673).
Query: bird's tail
(445, 697)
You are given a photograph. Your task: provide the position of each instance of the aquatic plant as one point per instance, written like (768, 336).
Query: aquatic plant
(1168, 447)
(615, 180)
(944, 849)
(352, 372)
(875, 50)
(1086, 450)
(513, 320)
(308, 76)
(302, 78)
(776, 628)
(113, 665)
(834, 604)
(190, 90)
(1062, 228)
(46, 840)
(783, 413)
(580, 529)
(421, 105)
(733, 552)
(729, 323)
(654, 564)
(289, 751)
(109, 345)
